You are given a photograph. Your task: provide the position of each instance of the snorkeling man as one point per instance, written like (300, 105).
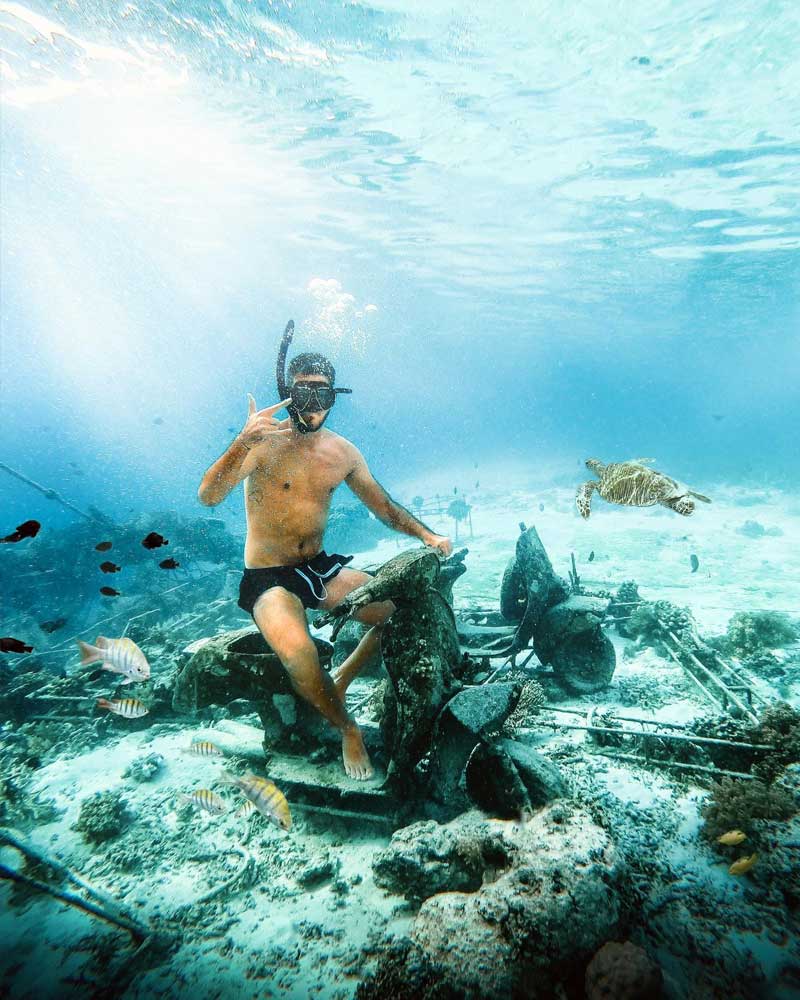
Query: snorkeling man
(292, 468)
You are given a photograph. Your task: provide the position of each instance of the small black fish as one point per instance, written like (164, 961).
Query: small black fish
(154, 540)
(718, 416)
(231, 430)
(591, 555)
(158, 420)
(541, 506)
(694, 562)
(169, 564)
(103, 546)
(9, 645)
(109, 592)
(28, 529)
(95, 675)
(477, 484)
(53, 626)
(109, 567)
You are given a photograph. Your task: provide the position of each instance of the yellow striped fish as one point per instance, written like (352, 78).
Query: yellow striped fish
(265, 796)
(128, 708)
(120, 656)
(202, 748)
(205, 799)
(246, 810)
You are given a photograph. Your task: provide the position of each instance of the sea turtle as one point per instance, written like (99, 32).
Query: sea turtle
(634, 484)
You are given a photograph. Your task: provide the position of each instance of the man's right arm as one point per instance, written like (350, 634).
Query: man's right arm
(228, 471)
(244, 454)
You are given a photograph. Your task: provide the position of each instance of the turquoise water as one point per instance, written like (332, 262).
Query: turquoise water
(525, 235)
(578, 230)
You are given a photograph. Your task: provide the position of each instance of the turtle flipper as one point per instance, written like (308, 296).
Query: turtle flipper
(700, 496)
(681, 505)
(583, 498)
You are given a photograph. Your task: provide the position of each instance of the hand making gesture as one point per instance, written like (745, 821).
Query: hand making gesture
(261, 424)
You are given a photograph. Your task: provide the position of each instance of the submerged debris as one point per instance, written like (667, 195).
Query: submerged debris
(145, 768)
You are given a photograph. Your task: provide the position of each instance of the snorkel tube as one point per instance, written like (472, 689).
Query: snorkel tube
(284, 390)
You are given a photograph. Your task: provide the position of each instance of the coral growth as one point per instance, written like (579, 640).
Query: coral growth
(404, 973)
(102, 817)
(764, 664)
(623, 605)
(753, 631)
(652, 620)
(778, 727)
(622, 971)
(531, 699)
(735, 805)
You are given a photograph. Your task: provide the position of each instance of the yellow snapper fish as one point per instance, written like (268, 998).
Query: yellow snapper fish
(203, 748)
(120, 656)
(128, 708)
(265, 795)
(207, 800)
(742, 865)
(732, 838)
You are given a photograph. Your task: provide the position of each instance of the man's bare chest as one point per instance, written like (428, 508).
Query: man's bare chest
(306, 476)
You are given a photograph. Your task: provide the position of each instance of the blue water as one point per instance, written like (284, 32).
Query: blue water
(578, 231)
(525, 234)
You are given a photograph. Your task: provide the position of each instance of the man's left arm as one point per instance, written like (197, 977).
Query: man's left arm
(373, 495)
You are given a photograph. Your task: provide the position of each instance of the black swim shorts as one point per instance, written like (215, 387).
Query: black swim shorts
(306, 580)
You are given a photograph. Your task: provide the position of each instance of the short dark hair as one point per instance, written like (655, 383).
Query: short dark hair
(311, 364)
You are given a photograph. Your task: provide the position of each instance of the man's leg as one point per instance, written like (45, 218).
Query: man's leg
(375, 615)
(281, 618)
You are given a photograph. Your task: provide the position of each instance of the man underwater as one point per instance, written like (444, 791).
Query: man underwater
(292, 468)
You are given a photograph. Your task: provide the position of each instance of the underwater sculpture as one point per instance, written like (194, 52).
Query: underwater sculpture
(565, 629)
(420, 650)
(633, 484)
(240, 665)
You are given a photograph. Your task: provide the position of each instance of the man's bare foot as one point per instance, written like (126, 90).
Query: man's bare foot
(354, 754)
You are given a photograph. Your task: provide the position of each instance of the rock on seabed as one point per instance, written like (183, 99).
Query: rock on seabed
(549, 899)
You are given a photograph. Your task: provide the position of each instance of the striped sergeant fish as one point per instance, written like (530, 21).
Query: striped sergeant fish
(120, 656)
(207, 800)
(202, 748)
(265, 795)
(128, 708)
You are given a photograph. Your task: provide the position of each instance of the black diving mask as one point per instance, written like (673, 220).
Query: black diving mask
(311, 397)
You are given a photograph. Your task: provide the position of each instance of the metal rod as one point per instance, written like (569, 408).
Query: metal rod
(739, 672)
(718, 681)
(661, 736)
(50, 494)
(622, 718)
(697, 680)
(637, 758)
(341, 813)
